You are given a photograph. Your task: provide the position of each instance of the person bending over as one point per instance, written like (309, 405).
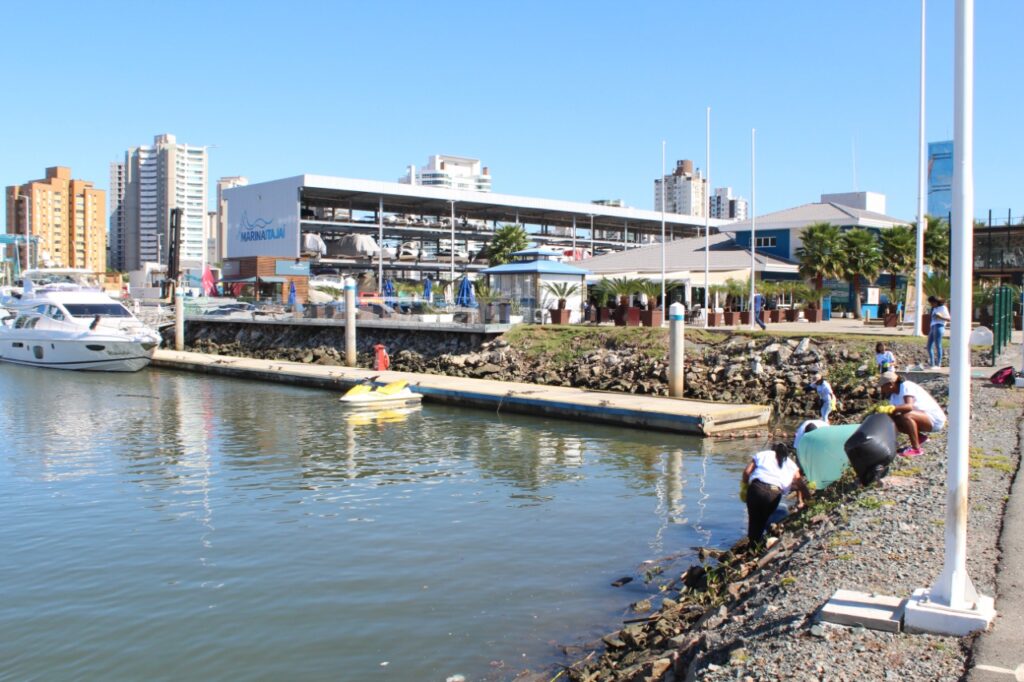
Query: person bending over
(913, 409)
(770, 475)
(826, 394)
(885, 360)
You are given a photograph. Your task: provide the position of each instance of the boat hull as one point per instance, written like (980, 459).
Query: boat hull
(96, 355)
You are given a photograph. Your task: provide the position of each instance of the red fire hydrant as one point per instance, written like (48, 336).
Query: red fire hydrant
(381, 359)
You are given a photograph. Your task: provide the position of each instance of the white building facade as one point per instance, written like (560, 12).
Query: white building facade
(727, 207)
(222, 214)
(685, 191)
(450, 172)
(158, 178)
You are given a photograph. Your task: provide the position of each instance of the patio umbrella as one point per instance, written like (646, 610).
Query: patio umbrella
(389, 288)
(466, 298)
(293, 298)
(428, 290)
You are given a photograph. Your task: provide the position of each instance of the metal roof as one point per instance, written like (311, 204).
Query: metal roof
(808, 214)
(365, 195)
(687, 254)
(542, 267)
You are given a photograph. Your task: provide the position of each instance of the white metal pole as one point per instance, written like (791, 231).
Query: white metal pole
(707, 222)
(753, 224)
(677, 328)
(922, 221)
(574, 254)
(350, 322)
(380, 243)
(664, 303)
(591, 235)
(453, 244)
(953, 587)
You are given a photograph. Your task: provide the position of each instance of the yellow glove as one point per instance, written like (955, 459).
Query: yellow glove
(886, 409)
(743, 491)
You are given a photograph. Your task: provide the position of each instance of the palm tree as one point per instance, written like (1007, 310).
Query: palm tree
(898, 253)
(562, 291)
(652, 290)
(820, 254)
(861, 258)
(507, 240)
(621, 287)
(936, 243)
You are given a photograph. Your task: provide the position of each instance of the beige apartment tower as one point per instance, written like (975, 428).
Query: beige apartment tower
(68, 216)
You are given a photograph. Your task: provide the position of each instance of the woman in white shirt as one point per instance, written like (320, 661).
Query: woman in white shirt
(939, 318)
(770, 475)
(915, 412)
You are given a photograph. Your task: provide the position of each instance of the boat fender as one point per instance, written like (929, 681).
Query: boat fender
(872, 447)
(381, 359)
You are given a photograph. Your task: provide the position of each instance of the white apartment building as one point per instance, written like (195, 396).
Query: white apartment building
(221, 234)
(450, 172)
(727, 207)
(115, 228)
(158, 178)
(685, 191)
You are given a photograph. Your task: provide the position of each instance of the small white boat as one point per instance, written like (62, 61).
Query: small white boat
(395, 394)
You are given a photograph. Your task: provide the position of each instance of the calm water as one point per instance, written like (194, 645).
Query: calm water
(173, 526)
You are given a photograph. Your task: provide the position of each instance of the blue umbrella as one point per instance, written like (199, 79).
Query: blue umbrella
(293, 299)
(389, 288)
(428, 289)
(466, 298)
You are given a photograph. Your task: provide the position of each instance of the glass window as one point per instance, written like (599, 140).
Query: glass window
(93, 309)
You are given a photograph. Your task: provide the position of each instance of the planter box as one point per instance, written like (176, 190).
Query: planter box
(605, 315)
(627, 317)
(813, 314)
(515, 319)
(774, 316)
(651, 318)
(560, 315)
(426, 317)
(926, 322)
(792, 315)
(716, 319)
(445, 317)
(891, 320)
(732, 318)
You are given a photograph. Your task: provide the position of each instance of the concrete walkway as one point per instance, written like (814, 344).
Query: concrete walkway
(696, 417)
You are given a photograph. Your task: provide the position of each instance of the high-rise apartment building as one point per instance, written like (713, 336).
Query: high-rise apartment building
(940, 178)
(222, 212)
(158, 178)
(685, 191)
(67, 215)
(453, 172)
(727, 207)
(115, 233)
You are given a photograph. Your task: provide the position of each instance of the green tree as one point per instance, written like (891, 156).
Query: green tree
(652, 290)
(507, 240)
(819, 255)
(621, 287)
(898, 252)
(860, 258)
(936, 243)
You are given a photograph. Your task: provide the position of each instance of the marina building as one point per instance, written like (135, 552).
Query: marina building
(68, 216)
(685, 191)
(452, 172)
(388, 229)
(158, 178)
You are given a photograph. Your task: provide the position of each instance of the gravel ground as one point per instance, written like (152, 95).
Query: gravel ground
(889, 540)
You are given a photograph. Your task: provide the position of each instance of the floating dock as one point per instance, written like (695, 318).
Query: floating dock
(694, 417)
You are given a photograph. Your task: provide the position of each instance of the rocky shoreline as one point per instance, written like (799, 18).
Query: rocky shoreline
(746, 615)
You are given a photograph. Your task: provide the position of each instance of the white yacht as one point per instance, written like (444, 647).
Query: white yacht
(64, 320)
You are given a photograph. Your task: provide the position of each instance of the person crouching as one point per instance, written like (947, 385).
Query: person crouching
(915, 412)
(770, 475)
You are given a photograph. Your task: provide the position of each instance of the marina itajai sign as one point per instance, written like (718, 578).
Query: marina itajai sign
(263, 220)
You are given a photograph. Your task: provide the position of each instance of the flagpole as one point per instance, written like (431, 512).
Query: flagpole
(664, 303)
(753, 224)
(922, 221)
(707, 213)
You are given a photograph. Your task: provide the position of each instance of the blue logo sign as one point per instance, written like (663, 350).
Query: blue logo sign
(258, 230)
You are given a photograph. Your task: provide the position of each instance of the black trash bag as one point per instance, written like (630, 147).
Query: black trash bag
(872, 447)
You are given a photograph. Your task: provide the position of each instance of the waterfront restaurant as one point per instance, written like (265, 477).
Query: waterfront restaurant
(421, 231)
(524, 284)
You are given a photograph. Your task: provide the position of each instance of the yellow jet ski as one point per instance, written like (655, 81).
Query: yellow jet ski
(395, 394)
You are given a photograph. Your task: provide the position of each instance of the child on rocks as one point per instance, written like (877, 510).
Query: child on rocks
(826, 394)
(885, 360)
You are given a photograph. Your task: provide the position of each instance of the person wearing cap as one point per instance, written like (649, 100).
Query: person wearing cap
(915, 412)
(827, 395)
(769, 475)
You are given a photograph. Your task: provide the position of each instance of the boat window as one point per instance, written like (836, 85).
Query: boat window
(93, 309)
(94, 346)
(38, 352)
(55, 312)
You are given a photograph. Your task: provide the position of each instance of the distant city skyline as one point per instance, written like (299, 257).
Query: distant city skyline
(565, 101)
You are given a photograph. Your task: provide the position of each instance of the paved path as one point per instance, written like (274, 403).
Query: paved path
(696, 417)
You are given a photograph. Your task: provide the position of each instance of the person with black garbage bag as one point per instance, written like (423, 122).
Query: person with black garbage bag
(770, 475)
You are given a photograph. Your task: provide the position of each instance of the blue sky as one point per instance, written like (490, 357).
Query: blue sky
(566, 100)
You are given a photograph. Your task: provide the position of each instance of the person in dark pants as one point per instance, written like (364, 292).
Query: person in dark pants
(770, 475)
(758, 309)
